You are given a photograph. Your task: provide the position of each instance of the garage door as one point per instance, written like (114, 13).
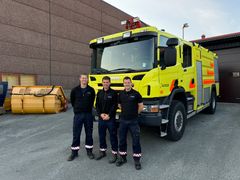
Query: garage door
(27, 80)
(12, 80)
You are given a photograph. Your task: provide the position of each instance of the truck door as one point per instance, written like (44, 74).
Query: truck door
(188, 69)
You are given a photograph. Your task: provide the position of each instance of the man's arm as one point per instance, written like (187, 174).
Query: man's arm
(140, 107)
(114, 106)
(140, 103)
(98, 103)
(72, 97)
(92, 97)
(119, 101)
(98, 106)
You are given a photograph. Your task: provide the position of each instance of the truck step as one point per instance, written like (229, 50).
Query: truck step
(163, 134)
(163, 106)
(165, 121)
(190, 98)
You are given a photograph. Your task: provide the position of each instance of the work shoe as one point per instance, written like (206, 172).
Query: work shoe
(90, 154)
(72, 156)
(138, 165)
(113, 158)
(121, 160)
(101, 155)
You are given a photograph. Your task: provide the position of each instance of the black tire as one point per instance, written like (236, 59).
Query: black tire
(213, 104)
(177, 121)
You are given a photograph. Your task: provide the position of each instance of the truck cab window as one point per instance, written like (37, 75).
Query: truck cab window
(163, 45)
(163, 41)
(187, 56)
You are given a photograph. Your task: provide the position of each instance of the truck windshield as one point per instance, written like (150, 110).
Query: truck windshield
(124, 56)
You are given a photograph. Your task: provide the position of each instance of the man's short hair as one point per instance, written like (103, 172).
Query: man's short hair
(83, 74)
(106, 78)
(127, 78)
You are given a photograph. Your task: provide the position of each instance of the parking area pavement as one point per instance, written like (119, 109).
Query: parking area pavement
(37, 146)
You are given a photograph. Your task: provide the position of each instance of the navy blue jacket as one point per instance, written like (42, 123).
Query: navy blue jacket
(106, 102)
(82, 99)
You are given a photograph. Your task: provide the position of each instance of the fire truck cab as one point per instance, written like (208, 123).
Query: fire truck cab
(176, 78)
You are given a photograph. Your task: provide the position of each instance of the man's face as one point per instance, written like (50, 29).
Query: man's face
(106, 84)
(127, 84)
(83, 79)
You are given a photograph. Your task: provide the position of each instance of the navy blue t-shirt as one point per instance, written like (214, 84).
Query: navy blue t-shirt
(129, 103)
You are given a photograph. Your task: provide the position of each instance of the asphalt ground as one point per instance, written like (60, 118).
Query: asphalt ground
(36, 147)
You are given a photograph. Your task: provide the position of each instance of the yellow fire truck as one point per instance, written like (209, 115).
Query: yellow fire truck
(176, 78)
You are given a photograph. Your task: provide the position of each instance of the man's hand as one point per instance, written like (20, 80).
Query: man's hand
(105, 117)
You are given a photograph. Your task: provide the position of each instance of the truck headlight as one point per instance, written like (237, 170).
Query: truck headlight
(151, 108)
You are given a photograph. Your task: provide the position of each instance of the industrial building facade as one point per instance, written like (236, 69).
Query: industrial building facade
(227, 48)
(46, 42)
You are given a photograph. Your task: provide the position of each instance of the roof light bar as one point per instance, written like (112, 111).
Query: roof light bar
(132, 23)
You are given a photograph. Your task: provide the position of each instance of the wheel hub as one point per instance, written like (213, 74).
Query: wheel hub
(178, 121)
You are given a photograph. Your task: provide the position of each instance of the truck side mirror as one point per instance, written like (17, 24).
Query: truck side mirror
(170, 54)
(172, 42)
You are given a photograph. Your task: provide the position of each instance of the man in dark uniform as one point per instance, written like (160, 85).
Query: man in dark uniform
(106, 105)
(130, 102)
(82, 99)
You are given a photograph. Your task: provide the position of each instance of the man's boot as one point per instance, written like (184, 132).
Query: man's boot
(73, 155)
(121, 160)
(113, 159)
(90, 154)
(137, 163)
(101, 155)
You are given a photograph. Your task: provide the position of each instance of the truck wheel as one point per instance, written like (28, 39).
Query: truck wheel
(213, 104)
(177, 120)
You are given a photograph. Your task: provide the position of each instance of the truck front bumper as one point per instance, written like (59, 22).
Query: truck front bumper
(148, 119)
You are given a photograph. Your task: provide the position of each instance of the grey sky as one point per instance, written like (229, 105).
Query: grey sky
(209, 17)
